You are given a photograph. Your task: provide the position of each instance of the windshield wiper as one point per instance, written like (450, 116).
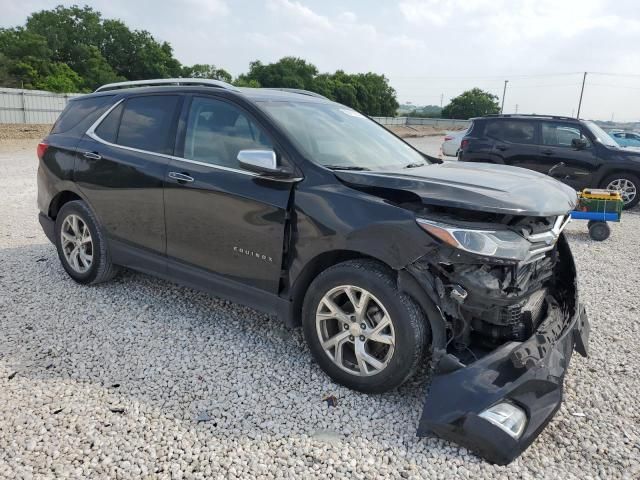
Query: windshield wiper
(346, 167)
(415, 165)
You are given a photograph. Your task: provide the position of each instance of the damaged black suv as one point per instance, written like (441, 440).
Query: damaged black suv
(304, 208)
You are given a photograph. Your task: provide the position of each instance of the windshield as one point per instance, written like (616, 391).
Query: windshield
(341, 138)
(602, 136)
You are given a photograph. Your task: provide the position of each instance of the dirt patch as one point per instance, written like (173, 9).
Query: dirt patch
(14, 131)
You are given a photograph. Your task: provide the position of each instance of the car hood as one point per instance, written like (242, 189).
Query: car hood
(474, 186)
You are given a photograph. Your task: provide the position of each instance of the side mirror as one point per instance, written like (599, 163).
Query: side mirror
(579, 143)
(261, 161)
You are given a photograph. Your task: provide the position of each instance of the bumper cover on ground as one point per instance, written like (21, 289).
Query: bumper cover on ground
(456, 399)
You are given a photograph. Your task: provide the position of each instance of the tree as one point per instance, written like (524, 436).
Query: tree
(206, 71)
(367, 92)
(472, 103)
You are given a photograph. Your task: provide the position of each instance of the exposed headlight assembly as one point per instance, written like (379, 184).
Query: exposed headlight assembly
(504, 244)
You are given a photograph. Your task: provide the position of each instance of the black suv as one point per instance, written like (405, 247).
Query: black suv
(576, 152)
(305, 209)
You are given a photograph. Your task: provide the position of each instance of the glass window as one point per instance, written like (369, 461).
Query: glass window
(80, 111)
(217, 131)
(108, 128)
(338, 137)
(558, 134)
(146, 123)
(512, 131)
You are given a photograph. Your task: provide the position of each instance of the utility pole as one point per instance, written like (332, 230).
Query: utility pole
(441, 99)
(584, 78)
(516, 108)
(504, 92)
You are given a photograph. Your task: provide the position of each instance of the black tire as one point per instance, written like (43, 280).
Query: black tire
(410, 327)
(630, 177)
(599, 231)
(101, 268)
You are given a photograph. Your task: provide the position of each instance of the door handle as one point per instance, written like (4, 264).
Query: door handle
(181, 177)
(92, 155)
(547, 152)
(501, 147)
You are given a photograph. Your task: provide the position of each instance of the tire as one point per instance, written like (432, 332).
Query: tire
(599, 231)
(630, 183)
(94, 246)
(395, 351)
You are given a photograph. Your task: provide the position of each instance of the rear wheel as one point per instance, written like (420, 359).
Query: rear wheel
(361, 330)
(625, 183)
(81, 244)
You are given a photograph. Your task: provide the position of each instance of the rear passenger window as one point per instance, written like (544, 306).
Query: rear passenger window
(82, 111)
(108, 128)
(217, 131)
(147, 123)
(512, 131)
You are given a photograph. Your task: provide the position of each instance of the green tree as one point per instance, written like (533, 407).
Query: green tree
(288, 72)
(60, 79)
(472, 103)
(206, 71)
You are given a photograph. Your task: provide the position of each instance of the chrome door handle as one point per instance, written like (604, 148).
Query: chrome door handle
(92, 155)
(181, 177)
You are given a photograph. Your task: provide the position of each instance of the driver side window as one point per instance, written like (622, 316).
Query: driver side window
(217, 131)
(556, 134)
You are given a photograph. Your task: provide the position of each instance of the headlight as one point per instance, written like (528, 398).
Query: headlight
(492, 243)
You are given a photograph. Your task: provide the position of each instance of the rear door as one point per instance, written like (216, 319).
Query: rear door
(121, 166)
(220, 217)
(560, 159)
(515, 142)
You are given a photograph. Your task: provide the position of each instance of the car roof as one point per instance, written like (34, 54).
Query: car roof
(195, 85)
(527, 117)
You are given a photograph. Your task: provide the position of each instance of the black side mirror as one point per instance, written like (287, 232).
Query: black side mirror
(579, 143)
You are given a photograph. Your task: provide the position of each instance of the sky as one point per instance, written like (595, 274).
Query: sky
(429, 49)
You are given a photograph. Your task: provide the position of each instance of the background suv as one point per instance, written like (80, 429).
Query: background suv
(576, 152)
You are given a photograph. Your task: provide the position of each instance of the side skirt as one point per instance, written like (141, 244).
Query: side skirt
(197, 278)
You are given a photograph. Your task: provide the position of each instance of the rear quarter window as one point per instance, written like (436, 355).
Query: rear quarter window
(513, 131)
(80, 113)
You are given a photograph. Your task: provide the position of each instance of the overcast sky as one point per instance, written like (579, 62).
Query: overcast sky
(427, 48)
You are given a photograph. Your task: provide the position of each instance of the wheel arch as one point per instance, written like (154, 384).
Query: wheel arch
(311, 270)
(59, 200)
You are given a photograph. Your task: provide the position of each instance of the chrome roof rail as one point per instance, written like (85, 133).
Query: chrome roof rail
(298, 90)
(157, 82)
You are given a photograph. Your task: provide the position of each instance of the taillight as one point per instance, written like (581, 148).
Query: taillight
(464, 144)
(447, 138)
(42, 147)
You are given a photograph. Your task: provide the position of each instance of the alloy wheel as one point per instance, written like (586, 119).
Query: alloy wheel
(626, 188)
(355, 330)
(77, 244)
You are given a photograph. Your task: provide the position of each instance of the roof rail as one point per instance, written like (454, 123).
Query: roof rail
(300, 91)
(535, 115)
(167, 82)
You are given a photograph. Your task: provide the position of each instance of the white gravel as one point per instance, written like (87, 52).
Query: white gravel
(139, 378)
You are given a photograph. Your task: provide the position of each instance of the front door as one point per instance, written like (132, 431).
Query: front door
(219, 217)
(560, 159)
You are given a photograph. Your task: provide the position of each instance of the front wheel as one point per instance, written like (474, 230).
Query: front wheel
(362, 331)
(625, 183)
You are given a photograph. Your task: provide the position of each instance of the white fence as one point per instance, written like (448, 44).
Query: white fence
(434, 122)
(31, 106)
(37, 106)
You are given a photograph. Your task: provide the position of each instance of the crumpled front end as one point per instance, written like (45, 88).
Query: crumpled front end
(503, 336)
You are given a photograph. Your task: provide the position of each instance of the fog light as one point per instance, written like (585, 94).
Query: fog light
(508, 417)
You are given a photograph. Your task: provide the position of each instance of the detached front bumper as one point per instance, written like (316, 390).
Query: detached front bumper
(457, 398)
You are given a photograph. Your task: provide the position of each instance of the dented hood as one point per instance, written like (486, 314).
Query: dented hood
(475, 186)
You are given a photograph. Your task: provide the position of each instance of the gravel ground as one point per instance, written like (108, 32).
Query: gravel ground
(139, 378)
